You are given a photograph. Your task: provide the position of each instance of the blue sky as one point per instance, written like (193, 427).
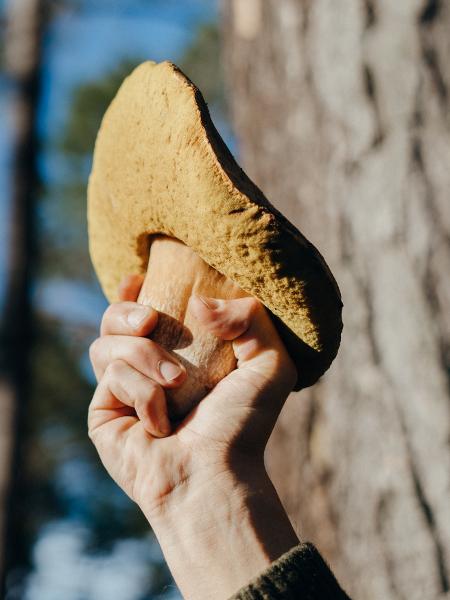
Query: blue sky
(82, 45)
(79, 47)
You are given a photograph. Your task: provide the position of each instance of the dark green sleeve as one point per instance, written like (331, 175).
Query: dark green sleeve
(300, 574)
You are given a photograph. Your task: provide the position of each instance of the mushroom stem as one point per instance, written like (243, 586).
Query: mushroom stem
(174, 273)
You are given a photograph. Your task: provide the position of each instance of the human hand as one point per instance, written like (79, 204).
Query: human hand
(217, 451)
(231, 425)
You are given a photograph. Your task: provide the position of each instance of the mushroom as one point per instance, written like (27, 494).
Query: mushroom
(166, 198)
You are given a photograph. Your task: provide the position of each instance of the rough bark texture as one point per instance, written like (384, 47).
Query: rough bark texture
(22, 54)
(342, 112)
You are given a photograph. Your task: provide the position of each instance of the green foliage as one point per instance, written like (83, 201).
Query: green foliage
(56, 414)
(89, 103)
(201, 62)
(65, 249)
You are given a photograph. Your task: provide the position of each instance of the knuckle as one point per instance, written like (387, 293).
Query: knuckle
(109, 312)
(210, 317)
(219, 327)
(91, 430)
(114, 314)
(149, 385)
(140, 349)
(108, 315)
(114, 369)
(145, 393)
(94, 435)
(94, 350)
(154, 390)
(91, 433)
(253, 305)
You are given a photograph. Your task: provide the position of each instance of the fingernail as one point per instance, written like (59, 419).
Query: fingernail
(169, 370)
(210, 303)
(137, 316)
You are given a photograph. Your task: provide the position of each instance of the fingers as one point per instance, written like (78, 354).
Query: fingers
(256, 343)
(130, 287)
(142, 354)
(128, 318)
(227, 319)
(122, 389)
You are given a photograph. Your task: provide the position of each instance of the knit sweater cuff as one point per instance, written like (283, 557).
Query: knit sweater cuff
(300, 574)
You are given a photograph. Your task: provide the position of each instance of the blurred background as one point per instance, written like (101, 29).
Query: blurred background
(340, 113)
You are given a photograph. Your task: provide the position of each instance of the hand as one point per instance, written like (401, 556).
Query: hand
(231, 425)
(217, 451)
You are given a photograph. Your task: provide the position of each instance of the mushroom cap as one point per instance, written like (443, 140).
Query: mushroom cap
(161, 167)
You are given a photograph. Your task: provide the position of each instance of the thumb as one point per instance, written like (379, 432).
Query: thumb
(256, 344)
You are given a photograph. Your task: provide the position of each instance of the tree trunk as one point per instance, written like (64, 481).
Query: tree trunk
(342, 112)
(22, 53)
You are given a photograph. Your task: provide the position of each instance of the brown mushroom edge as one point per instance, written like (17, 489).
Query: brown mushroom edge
(295, 263)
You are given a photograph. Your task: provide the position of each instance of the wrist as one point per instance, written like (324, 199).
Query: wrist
(220, 532)
(197, 478)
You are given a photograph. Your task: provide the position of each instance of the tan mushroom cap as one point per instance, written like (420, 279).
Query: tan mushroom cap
(160, 166)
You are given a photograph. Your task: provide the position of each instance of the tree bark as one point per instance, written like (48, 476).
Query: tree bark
(342, 113)
(24, 19)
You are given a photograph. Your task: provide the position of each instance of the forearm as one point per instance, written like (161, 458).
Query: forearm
(223, 534)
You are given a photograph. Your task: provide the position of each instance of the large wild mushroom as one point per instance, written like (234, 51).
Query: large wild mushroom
(167, 197)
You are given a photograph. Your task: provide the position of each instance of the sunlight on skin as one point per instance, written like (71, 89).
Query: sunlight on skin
(203, 488)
